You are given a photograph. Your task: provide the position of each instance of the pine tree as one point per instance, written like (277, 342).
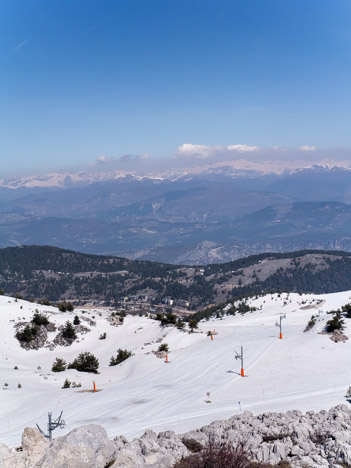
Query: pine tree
(336, 323)
(66, 384)
(193, 324)
(59, 365)
(68, 331)
(69, 307)
(28, 334)
(347, 309)
(180, 324)
(85, 362)
(122, 355)
(76, 320)
(40, 319)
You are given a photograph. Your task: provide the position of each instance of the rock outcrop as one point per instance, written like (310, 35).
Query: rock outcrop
(82, 447)
(85, 446)
(312, 440)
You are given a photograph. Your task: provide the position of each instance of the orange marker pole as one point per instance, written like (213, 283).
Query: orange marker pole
(94, 386)
(167, 358)
(241, 357)
(211, 337)
(280, 326)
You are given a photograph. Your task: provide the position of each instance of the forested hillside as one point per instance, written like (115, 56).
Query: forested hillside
(55, 274)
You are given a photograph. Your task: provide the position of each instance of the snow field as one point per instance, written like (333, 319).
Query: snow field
(305, 370)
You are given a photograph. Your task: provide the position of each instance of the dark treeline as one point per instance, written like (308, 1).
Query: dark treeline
(56, 274)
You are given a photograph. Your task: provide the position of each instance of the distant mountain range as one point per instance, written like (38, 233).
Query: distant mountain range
(217, 215)
(234, 168)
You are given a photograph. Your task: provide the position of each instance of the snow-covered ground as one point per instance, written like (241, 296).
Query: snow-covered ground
(304, 370)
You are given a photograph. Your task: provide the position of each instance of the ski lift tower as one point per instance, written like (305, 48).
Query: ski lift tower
(52, 425)
(280, 325)
(241, 357)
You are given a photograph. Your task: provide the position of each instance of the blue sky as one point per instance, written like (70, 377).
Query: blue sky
(85, 79)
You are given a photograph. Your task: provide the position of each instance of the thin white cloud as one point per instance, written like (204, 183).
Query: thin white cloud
(19, 46)
(280, 148)
(307, 148)
(242, 148)
(92, 28)
(133, 157)
(189, 150)
(125, 158)
(104, 159)
(196, 151)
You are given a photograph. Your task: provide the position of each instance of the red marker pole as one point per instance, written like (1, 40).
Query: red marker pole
(94, 386)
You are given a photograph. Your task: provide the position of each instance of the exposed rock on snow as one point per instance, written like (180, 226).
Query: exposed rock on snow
(40, 339)
(114, 320)
(314, 440)
(60, 340)
(338, 336)
(91, 322)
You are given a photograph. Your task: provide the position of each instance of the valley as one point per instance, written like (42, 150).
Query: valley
(214, 216)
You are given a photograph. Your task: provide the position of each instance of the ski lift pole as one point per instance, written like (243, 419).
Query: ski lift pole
(241, 357)
(50, 426)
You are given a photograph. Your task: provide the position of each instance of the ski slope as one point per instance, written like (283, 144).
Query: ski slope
(304, 370)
